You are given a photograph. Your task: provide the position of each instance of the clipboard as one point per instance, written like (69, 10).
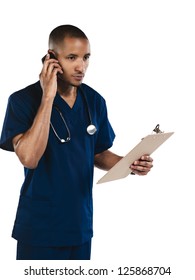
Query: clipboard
(146, 146)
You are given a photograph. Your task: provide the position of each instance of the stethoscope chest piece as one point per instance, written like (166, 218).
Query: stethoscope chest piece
(91, 129)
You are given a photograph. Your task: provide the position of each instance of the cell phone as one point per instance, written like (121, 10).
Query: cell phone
(51, 56)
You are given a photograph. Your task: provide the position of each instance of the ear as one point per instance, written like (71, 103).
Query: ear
(52, 53)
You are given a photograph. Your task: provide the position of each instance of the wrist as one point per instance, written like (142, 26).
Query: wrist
(47, 99)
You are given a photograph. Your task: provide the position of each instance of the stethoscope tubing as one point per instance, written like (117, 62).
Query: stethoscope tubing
(91, 129)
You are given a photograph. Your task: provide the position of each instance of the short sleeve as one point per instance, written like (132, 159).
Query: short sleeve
(106, 133)
(16, 121)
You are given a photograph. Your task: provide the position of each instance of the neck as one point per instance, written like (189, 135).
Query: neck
(68, 93)
(65, 89)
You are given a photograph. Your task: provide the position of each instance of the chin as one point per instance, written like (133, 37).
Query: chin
(73, 83)
(76, 84)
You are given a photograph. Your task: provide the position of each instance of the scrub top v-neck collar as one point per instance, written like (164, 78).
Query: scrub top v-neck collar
(60, 101)
(75, 117)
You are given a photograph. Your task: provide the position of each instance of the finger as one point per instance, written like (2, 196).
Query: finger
(53, 67)
(143, 163)
(47, 62)
(140, 173)
(146, 158)
(51, 70)
(56, 71)
(140, 168)
(146, 164)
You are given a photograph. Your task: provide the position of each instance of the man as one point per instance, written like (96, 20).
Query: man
(58, 128)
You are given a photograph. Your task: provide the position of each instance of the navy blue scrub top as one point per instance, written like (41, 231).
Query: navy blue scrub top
(55, 205)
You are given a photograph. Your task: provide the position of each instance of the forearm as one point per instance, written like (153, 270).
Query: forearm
(106, 160)
(31, 145)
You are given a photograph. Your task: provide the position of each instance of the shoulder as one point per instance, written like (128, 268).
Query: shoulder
(31, 94)
(91, 94)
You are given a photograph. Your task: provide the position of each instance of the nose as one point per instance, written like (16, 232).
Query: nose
(81, 66)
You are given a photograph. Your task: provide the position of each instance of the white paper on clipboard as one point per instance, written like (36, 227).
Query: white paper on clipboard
(146, 146)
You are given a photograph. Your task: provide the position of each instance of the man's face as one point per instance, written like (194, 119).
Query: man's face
(73, 56)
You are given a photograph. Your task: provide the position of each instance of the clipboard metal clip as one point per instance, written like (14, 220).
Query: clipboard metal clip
(157, 129)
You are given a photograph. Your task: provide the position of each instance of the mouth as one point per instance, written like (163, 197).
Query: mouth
(78, 77)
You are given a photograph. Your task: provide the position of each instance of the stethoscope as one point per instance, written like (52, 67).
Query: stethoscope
(91, 129)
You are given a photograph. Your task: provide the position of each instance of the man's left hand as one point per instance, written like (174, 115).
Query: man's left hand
(142, 166)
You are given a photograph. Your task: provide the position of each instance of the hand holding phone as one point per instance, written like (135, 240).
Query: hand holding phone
(48, 75)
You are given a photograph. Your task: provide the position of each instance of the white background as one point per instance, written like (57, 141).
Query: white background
(143, 63)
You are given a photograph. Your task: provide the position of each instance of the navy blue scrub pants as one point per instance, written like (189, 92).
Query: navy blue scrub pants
(28, 252)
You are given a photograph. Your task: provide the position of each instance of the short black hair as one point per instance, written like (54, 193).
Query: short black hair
(58, 34)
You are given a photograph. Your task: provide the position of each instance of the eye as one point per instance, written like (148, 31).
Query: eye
(71, 57)
(86, 57)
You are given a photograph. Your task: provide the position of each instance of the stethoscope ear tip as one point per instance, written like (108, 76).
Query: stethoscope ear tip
(64, 141)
